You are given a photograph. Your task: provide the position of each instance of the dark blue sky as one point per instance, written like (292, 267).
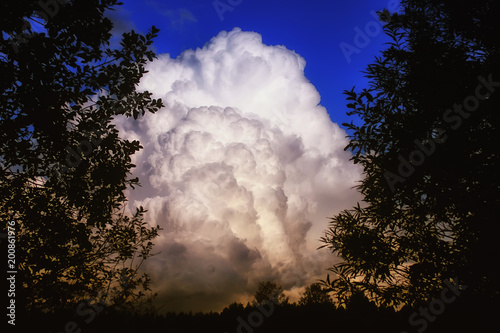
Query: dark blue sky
(314, 29)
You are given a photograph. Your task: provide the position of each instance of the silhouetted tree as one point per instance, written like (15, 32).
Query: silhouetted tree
(359, 303)
(63, 166)
(233, 308)
(270, 291)
(428, 147)
(315, 294)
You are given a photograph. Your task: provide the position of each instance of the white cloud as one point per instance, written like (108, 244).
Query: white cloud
(241, 169)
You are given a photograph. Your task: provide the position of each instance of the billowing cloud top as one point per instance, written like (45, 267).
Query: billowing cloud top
(241, 169)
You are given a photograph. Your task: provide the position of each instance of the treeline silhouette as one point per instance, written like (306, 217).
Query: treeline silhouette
(467, 314)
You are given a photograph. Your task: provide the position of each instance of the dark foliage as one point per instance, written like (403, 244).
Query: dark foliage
(63, 166)
(292, 318)
(429, 149)
(270, 291)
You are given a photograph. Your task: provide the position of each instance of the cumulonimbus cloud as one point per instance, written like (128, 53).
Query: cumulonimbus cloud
(241, 169)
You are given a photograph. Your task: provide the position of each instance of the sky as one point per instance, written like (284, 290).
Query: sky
(245, 163)
(314, 29)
